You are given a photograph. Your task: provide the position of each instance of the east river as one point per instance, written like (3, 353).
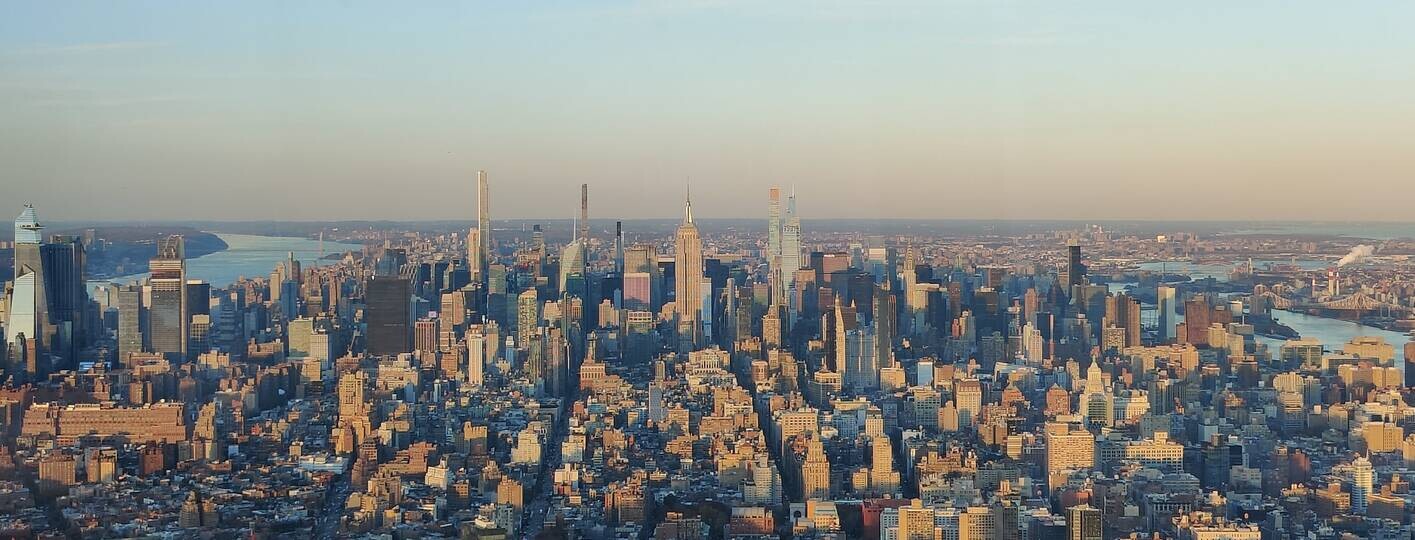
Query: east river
(1331, 332)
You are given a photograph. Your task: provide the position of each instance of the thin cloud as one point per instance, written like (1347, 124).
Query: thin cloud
(87, 48)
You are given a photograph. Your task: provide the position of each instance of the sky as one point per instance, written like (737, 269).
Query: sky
(315, 110)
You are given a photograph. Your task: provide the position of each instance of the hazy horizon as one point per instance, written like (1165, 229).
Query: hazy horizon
(1027, 111)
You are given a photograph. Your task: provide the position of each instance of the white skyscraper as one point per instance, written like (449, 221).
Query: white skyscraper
(1363, 477)
(476, 357)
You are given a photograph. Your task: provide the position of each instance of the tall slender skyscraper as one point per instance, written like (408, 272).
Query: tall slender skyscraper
(167, 311)
(474, 255)
(483, 223)
(886, 315)
(619, 247)
(912, 309)
(573, 277)
(584, 232)
(773, 240)
(791, 246)
(688, 271)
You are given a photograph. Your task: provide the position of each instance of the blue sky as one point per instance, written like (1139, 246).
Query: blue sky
(966, 109)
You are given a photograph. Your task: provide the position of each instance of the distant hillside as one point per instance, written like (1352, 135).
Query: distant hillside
(126, 249)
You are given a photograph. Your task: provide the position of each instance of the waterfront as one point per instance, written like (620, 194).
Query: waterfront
(1331, 332)
(247, 256)
(1220, 272)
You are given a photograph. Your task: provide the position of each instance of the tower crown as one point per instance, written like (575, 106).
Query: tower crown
(27, 227)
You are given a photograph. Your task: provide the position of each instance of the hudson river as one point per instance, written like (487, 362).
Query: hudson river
(248, 256)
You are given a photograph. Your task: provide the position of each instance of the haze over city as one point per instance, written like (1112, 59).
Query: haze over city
(954, 109)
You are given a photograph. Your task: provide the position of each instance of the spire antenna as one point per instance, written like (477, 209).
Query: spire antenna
(688, 203)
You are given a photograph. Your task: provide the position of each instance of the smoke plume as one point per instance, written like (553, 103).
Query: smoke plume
(1357, 253)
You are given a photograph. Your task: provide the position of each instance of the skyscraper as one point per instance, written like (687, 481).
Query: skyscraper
(527, 316)
(483, 223)
(1168, 318)
(773, 240)
(130, 331)
(572, 258)
(913, 309)
(1363, 478)
(815, 472)
(167, 310)
(584, 232)
(1075, 271)
(886, 319)
(1083, 522)
(476, 357)
(474, 257)
(28, 313)
(63, 260)
(619, 247)
(688, 273)
(791, 253)
(389, 315)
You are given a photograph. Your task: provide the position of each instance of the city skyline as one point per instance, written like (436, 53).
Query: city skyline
(962, 269)
(974, 110)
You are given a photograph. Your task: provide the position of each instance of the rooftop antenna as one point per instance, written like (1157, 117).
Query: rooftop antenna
(688, 203)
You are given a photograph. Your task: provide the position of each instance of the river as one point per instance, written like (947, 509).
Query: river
(1331, 332)
(248, 256)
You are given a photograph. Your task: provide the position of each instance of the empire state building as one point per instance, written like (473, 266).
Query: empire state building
(688, 273)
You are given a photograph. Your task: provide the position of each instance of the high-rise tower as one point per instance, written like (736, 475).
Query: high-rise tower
(167, 311)
(1168, 319)
(688, 271)
(619, 247)
(483, 223)
(791, 248)
(584, 232)
(773, 239)
(29, 304)
(389, 315)
(1362, 480)
(474, 259)
(1075, 270)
